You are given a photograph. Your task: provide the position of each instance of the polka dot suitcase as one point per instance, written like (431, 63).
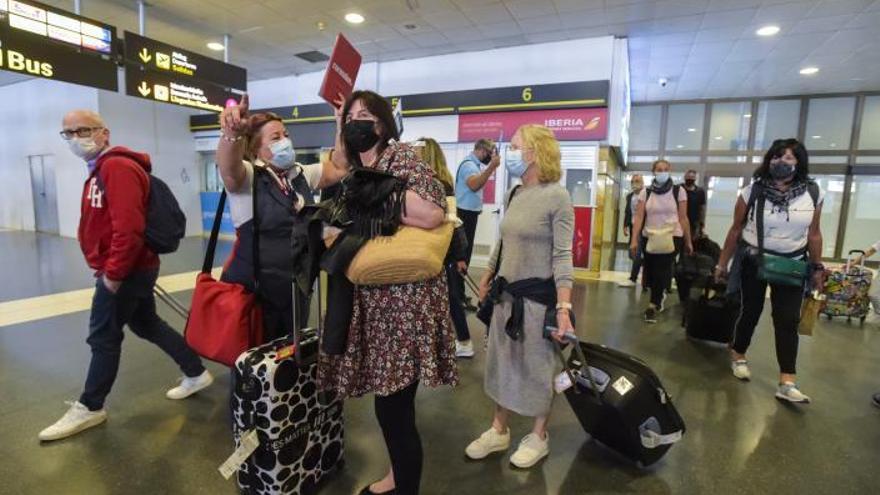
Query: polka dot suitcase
(300, 429)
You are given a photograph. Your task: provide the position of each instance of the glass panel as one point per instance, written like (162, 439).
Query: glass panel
(868, 160)
(863, 219)
(829, 123)
(834, 160)
(777, 119)
(685, 127)
(644, 130)
(729, 126)
(642, 159)
(727, 159)
(625, 189)
(721, 195)
(869, 137)
(833, 186)
(683, 159)
(579, 183)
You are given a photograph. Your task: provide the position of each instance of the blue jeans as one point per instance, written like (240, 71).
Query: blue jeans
(135, 305)
(456, 303)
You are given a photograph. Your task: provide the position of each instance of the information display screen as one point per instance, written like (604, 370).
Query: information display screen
(42, 41)
(161, 72)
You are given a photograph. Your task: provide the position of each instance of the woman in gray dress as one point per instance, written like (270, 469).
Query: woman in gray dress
(534, 278)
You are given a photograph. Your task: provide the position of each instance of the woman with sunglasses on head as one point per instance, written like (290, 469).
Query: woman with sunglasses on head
(777, 215)
(399, 335)
(257, 149)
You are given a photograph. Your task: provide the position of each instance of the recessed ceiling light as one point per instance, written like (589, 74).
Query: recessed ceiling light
(354, 18)
(217, 47)
(691, 129)
(747, 116)
(817, 137)
(679, 146)
(808, 71)
(833, 145)
(719, 138)
(767, 30)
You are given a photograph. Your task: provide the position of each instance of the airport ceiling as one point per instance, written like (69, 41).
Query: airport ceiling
(704, 48)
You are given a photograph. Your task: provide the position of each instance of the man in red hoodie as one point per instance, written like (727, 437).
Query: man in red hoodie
(111, 235)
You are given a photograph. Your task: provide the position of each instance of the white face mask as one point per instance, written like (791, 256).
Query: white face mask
(283, 154)
(85, 148)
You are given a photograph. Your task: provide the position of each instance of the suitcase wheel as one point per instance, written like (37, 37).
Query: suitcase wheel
(849, 319)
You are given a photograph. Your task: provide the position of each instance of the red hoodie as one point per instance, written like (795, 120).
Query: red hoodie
(114, 212)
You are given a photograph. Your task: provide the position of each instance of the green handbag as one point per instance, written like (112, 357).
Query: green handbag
(782, 271)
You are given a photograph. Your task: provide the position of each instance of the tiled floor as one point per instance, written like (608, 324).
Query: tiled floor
(739, 439)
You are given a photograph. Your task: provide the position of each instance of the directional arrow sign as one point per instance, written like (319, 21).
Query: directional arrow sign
(145, 56)
(143, 89)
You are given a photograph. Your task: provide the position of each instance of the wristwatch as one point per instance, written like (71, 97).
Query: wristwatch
(563, 305)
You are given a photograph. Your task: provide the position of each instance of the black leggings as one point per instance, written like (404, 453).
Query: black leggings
(785, 302)
(397, 418)
(659, 270)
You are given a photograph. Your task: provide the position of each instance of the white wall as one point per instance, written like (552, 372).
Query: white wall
(30, 118)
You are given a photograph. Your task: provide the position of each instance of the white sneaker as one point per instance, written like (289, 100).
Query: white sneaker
(789, 391)
(740, 369)
(189, 386)
(75, 420)
(626, 283)
(531, 450)
(490, 441)
(464, 349)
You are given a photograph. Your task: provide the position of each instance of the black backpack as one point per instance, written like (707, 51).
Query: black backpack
(165, 223)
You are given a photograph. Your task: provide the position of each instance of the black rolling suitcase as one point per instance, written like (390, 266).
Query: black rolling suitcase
(300, 430)
(621, 402)
(712, 316)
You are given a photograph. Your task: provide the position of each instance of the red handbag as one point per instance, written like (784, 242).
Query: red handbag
(225, 318)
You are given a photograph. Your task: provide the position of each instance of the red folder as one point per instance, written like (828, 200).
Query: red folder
(342, 71)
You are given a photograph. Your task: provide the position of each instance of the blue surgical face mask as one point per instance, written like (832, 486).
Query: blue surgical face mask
(514, 163)
(283, 154)
(661, 177)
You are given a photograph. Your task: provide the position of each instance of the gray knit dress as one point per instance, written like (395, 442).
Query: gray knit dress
(537, 235)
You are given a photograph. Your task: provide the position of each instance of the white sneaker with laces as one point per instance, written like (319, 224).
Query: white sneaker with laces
(531, 450)
(464, 349)
(789, 391)
(626, 283)
(190, 385)
(490, 441)
(740, 369)
(75, 420)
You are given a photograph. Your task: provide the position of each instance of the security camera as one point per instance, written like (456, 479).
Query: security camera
(663, 82)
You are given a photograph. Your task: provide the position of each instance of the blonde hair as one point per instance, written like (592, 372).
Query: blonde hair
(544, 145)
(432, 155)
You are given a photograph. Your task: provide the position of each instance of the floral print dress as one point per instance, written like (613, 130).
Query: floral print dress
(399, 333)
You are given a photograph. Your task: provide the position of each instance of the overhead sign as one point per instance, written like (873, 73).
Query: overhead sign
(162, 72)
(42, 41)
(585, 94)
(579, 124)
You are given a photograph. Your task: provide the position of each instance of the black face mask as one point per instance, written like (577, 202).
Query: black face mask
(486, 159)
(360, 135)
(780, 170)
(690, 182)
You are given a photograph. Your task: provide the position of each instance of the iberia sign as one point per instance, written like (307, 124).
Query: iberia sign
(41, 41)
(162, 72)
(575, 124)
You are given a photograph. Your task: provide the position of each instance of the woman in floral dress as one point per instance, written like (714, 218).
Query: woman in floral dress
(400, 335)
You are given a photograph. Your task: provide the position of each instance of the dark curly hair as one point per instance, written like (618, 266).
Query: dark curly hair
(777, 149)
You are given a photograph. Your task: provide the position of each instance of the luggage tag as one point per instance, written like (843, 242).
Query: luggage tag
(249, 443)
(562, 382)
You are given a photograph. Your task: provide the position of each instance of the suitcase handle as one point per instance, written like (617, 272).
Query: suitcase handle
(849, 259)
(585, 368)
(651, 439)
(172, 303)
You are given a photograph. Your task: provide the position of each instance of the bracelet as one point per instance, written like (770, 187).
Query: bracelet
(229, 139)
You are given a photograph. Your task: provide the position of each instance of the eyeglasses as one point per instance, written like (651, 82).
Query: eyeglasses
(83, 132)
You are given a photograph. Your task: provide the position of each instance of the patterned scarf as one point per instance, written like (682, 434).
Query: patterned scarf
(781, 200)
(661, 188)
